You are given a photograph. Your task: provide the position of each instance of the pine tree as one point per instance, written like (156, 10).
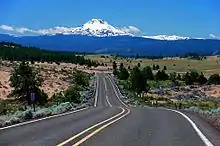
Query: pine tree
(161, 75)
(115, 72)
(148, 73)
(114, 65)
(194, 75)
(214, 79)
(173, 76)
(202, 79)
(154, 67)
(187, 79)
(25, 80)
(157, 67)
(179, 77)
(138, 82)
(165, 68)
(123, 74)
(121, 66)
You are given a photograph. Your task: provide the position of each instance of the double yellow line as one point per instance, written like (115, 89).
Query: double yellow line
(97, 127)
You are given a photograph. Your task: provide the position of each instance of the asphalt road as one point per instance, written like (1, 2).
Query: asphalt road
(111, 123)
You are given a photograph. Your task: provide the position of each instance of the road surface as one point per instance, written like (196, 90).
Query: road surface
(112, 123)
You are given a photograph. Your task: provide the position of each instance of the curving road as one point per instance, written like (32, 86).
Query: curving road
(110, 123)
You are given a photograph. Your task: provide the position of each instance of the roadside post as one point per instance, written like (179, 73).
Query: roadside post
(33, 98)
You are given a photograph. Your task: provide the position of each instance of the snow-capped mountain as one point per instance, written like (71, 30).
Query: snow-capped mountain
(166, 37)
(94, 27)
(98, 27)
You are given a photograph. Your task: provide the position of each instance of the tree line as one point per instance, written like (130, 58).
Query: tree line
(138, 77)
(15, 52)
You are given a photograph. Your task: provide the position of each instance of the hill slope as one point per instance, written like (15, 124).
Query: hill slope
(123, 45)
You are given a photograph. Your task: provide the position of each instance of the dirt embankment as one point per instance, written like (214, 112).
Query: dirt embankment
(55, 76)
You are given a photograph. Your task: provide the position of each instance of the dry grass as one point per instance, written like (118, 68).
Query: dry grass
(55, 76)
(209, 66)
(214, 91)
(5, 88)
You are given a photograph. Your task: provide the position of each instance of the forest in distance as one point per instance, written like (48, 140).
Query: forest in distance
(15, 52)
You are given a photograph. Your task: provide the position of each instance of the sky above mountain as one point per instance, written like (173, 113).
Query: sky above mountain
(197, 18)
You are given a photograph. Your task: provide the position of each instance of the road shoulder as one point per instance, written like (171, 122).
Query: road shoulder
(210, 132)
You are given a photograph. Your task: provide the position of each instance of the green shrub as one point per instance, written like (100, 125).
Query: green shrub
(28, 114)
(3, 108)
(214, 79)
(72, 95)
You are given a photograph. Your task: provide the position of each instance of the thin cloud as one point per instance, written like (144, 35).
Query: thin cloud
(60, 30)
(23, 30)
(56, 30)
(6, 27)
(131, 29)
(214, 36)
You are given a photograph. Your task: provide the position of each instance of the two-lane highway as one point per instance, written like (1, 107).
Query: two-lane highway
(109, 123)
(57, 130)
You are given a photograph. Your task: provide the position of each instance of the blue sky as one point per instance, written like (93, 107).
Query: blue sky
(195, 18)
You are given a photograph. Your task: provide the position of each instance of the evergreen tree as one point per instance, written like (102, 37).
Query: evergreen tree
(129, 67)
(148, 73)
(179, 77)
(138, 82)
(15, 52)
(191, 78)
(202, 79)
(214, 79)
(114, 65)
(157, 67)
(194, 75)
(173, 76)
(121, 66)
(25, 80)
(115, 72)
(161, 75)
(165, 68)
(187, 79)
(123, 74)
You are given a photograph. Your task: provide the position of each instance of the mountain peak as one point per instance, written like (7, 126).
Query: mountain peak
(97, 21)
(100, 28)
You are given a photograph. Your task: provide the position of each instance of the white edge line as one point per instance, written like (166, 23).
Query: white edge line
(105, 84)
(198, 131)
(96, 91)
(107, 99)
(116, 92)
(50, 117)
(45, 118)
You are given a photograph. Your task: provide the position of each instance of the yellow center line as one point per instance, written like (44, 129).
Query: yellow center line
(99, 129)
(86, 130)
